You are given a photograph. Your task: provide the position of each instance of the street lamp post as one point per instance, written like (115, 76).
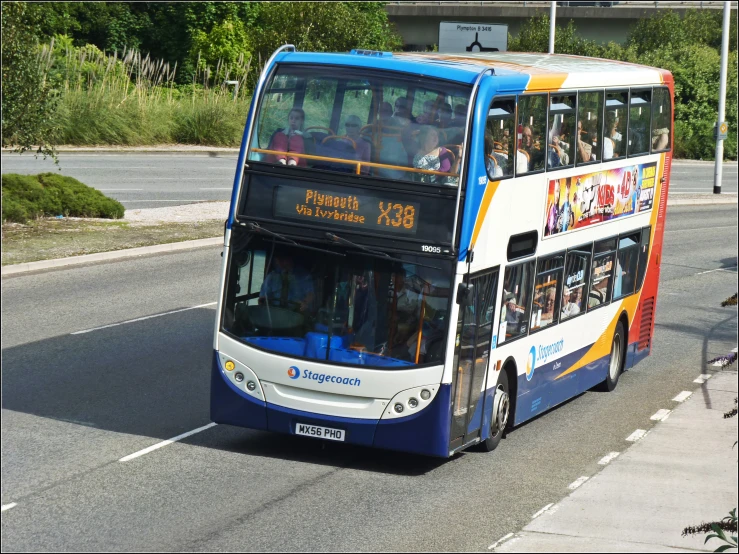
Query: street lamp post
(721, 129)
(552, 18)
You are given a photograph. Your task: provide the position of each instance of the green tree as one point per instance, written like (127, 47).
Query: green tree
(28, 99)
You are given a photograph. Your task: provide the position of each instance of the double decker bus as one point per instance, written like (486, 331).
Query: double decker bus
(425, 250)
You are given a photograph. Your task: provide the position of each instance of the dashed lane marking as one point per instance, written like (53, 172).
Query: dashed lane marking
(636, 435)
(8, 506)
(500, 541)
(608, 458)
(576, 483)
(661, 415)
(683, 396)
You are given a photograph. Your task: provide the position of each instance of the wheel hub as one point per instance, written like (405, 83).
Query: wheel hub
(501, 406)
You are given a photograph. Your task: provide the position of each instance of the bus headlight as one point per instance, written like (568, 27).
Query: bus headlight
(399, 408)
(412, 403)
(251, 385)
(425, 394)
(239, 376)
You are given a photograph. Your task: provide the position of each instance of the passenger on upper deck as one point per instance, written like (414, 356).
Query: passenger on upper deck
(612, 140)
(529, 156)
(429, 113)
(289, 139)
(444, 117)
(353, 124)
(402, 114)
(434, 157)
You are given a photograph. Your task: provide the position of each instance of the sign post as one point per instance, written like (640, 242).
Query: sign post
(455, 37)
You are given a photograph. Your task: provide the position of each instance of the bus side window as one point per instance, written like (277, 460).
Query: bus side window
(514, 316)
(561, 137)
(547, 292)
(626, 262)
(646, 233)
(499, 138)
(575, 286)
(640, 109)
(614, 132)
(532, 131)
(661, 119)
(601, 276)
(589, 127)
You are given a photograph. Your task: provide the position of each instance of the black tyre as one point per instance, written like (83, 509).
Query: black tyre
(616, 363)
(501, 414)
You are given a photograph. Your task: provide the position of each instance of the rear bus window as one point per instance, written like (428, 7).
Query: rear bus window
(499, 138)
(661, 120)
(547, 292)
(626, 265)
(514, 316)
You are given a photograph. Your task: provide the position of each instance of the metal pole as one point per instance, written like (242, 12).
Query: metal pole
(552, 19)
(722, 101)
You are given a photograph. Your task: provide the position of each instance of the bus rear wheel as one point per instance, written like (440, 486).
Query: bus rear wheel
(616, 362)
(501, 413)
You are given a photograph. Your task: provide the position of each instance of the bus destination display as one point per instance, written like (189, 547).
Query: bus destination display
(373, 213)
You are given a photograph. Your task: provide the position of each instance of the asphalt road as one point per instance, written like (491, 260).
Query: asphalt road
(157, 180)
(74, 404)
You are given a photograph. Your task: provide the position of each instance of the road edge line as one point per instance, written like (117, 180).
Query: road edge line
(27, 267)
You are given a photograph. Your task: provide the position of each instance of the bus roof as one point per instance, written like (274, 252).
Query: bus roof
(535, 71)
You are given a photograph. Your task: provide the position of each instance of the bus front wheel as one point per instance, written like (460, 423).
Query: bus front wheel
(501, 412)
(616, 362)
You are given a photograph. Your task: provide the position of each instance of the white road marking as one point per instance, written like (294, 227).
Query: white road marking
(717, 269)
(8, 506)
(608, 457)
(702, 229)
(683, 396)
(165, 443)
(500, 541)
(636, 435)
(544, 509)
(579, 481)
(661, 415)
(217, 188)
(702, 378)
(142, 318)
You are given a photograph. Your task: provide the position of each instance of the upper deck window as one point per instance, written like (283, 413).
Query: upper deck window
(369, 123)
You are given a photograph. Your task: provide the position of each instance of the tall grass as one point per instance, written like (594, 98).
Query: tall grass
(131, 99)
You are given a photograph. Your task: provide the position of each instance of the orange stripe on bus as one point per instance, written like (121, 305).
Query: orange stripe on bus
(551, 82)
(484, 205)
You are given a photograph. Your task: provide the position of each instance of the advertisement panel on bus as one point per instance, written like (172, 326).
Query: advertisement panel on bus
(582, 200)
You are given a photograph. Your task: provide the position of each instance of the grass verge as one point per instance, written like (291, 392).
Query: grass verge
(48, 239)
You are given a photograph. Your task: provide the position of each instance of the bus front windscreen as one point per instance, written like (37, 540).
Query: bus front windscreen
(383, 125)
(345, 308)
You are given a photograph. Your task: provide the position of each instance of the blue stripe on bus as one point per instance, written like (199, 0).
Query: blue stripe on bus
(240, 164)
(425, 432)
(232, 406)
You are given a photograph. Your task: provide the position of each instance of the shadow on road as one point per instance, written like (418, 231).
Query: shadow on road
(152, 378)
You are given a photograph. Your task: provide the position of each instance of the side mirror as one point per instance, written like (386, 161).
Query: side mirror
(464, 294)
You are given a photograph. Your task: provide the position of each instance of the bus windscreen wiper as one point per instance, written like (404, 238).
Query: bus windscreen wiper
(377, 253)
(256, 228)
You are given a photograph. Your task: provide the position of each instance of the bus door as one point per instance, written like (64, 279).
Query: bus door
(471, 356)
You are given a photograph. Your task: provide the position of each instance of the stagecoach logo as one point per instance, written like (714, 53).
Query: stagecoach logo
(293, 372)
(531, 363)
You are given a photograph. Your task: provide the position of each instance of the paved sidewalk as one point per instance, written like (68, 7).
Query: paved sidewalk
(683, 472)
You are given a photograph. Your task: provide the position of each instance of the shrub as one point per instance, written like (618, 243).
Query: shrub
(48, 194)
